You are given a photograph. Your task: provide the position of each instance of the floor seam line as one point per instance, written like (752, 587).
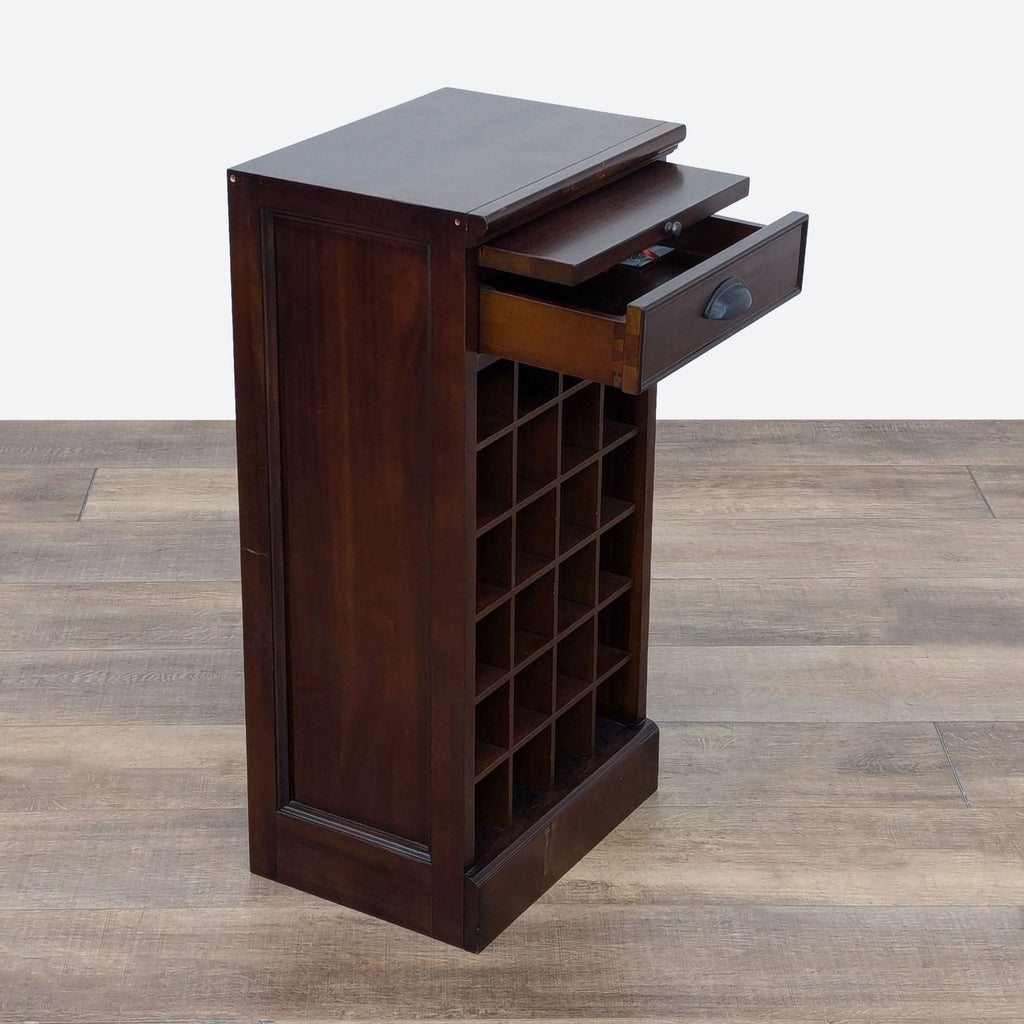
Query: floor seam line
(952, 767)
(88, 491)
(974, 480)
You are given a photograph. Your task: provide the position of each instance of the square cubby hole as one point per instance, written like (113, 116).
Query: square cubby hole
(616, 697)
(575, 663)
(493, 728)
(578, 514)
(575, 730)
(613, 634)
(493, 646)
(618, 481)
(536, 524)
(493, 564)
(494, 797)
(581, 426)
(537, 387)
(495, 398)
(569, 382)
(621, 414)
(533, 767)
(537, 462)
(577, 586)
(616, 566)
(534, 617)
(533, 695)
(494, 480)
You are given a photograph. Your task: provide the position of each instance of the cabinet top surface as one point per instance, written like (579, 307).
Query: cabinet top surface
(469, 152)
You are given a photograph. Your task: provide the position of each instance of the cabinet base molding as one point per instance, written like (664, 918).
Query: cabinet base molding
(499, 892)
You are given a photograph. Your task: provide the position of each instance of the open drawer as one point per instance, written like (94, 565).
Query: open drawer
(632, 326)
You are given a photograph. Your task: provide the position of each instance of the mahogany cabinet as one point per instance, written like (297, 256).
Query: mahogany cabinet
(449, 320)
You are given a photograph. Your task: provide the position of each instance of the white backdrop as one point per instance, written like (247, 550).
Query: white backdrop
(895, 125)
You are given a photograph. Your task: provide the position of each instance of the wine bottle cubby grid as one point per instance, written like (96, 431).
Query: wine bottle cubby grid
(556, 562)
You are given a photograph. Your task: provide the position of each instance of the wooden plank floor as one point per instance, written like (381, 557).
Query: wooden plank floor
(837, 665)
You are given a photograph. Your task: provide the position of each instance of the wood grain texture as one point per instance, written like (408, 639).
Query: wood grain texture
(989, 759)
(684, 491)
(1003, 488)
(836, 856)
(842, 442)
(122, 767)
(210, 443)
(142, 767)
(816, 548)
(42, 495)
(801, 772)
(293, 962)
(686, 1019)
(112, 552)
(121, 687)
(756, 683)
(765, 764)
(352, 272)
(837, 611)
(495, 158)
(744, 549)
(661, 856)
(555, 337)
(585, 237)
(119, 615)
(160, 495)
(92, 443)
(356, 585)
(174, 857)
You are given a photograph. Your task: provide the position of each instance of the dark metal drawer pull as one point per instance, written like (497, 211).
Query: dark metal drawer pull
(730, 298)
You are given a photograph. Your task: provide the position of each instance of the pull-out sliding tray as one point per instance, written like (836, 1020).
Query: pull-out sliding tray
(585, 237)
(631, 326)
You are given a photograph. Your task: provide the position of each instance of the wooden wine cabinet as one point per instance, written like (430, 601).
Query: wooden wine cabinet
(445, 403)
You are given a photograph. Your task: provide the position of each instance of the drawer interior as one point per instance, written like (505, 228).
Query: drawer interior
(609, 293)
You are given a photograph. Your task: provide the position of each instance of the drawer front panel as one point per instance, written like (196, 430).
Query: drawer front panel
(667, 327)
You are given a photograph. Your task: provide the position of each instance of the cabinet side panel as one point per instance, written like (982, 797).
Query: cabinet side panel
(352, 340)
